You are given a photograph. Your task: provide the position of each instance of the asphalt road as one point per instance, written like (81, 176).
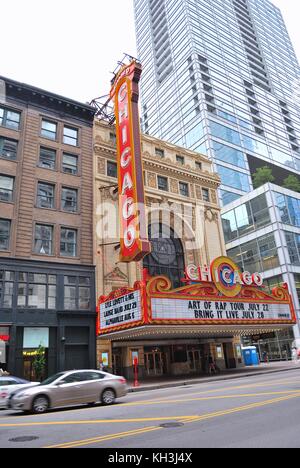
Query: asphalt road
(257, 412)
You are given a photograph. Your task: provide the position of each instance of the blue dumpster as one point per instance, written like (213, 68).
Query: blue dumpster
(250, 356)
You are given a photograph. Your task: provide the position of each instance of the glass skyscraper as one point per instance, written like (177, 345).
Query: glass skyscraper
(219, 77)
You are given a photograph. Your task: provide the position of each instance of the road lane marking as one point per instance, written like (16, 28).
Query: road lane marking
(162, 399)
(94, 440)
(191, 419)
(148, 403)
(95, 421)
(240, 409)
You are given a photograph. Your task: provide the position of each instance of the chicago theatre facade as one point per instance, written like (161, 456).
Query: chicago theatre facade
(142, 316)
(168, 298)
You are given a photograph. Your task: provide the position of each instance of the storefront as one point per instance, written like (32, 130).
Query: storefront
(178, 331)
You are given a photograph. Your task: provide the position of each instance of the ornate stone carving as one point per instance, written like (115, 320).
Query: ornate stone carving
(116, 276)
(214, 196)
(101, 166)
(152, 182)
(211, 215)
(174, 186)
(198, 192)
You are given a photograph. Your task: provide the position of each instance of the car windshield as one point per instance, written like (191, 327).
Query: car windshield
(51, 379)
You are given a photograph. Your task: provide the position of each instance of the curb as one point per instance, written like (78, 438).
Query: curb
(184, 383)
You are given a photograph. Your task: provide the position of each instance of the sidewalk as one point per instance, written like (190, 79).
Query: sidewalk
(169, 382)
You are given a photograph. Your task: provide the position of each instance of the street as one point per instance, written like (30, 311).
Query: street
(261, 411)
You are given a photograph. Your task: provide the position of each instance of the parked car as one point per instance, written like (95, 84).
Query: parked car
(9, 384)
(70, 388)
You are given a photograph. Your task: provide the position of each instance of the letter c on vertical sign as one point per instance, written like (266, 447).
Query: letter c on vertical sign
(128, 208)
(125, 158)
(133, 229)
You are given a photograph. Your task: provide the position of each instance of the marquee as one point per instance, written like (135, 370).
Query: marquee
(154, 302)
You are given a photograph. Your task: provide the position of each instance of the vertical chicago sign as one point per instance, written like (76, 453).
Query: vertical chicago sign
(133, 230)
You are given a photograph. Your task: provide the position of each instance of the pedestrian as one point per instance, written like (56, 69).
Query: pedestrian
(265, 356)
(296, 355)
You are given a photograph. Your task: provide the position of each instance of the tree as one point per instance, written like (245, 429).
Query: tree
(262, 176)
(292, 182)
(39, 363)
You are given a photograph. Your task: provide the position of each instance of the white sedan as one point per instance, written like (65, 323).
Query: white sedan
(9, 384)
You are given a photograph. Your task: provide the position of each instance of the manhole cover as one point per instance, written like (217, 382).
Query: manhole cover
(23, 439)
(171, 424)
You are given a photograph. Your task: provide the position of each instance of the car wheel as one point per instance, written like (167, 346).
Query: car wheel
(108, 397)
(40, 404)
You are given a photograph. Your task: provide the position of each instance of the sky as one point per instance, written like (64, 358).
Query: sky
(70, 47)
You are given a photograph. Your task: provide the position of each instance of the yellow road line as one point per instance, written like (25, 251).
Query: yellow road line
(154, 400)
(191, 419)
(216, 397)
(94, 440)
(135, 420)
(95, 421)
(241, 408)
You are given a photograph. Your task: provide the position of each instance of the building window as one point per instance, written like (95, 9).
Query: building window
(70, 292)
(6, 287)
(198, 165)
(36, 291)
(69, 200)
(8, 148)
(167, 255)
(112, 138)
(162, 183)
(9, 118)
(112, 169)
(84, 293)
(49, 130)
(70, 136)
(205, 195)
(45, 195)
(183, 189)
(47, 158)
(77, 293)
(258, 255)
(70, 164)
(4, 234)
(180, 159)
(6, 188)
(159, 152)
(293, 245)
(43, 239)
(68, 242)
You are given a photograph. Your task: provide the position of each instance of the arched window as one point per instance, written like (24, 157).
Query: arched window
(167, 256)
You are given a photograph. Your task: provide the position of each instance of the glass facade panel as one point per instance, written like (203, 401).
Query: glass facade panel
(235, 179)
(258, 255)
(229, 155)
(289, 209)
(225, 133)
(293, 245)
(246, 218)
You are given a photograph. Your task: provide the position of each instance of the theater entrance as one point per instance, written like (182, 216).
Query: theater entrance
(154, 362)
